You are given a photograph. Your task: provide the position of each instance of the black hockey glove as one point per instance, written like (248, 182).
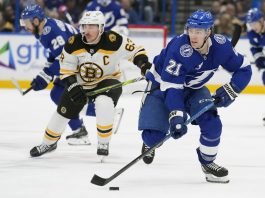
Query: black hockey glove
(145, 67)
(75, 91)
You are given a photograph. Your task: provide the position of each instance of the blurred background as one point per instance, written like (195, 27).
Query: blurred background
(171, 13)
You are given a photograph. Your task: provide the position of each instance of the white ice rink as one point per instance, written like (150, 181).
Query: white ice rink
(175, 172)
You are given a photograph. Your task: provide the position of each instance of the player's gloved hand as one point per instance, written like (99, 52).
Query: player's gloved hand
(42, 80)
(77, 93)
(260, 62)
(176, 124)
(145, 67)
(226, 94)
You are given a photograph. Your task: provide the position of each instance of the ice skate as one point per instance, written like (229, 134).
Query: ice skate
(103, 151)
(215, 173)
(79, 137)
(148, 159)
(42, 149)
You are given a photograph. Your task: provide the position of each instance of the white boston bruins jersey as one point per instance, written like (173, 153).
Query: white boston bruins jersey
(94, 63)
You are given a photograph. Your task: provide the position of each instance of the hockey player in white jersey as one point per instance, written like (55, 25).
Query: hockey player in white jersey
(89, 61)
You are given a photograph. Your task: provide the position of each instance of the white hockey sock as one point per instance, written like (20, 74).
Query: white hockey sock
(105, 116)
(55, 129)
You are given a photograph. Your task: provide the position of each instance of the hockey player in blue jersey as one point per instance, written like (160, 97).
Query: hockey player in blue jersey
(114, 14)
(256, 35)
(176, 88)
(52, 34)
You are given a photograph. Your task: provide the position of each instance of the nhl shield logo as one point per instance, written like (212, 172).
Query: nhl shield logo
(186, 50)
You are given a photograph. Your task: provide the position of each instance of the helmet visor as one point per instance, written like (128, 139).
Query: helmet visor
(24, 22)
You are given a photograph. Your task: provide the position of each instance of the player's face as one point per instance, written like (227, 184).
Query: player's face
(256, 26)
(27, 24)
(197, 36)
(91, 32)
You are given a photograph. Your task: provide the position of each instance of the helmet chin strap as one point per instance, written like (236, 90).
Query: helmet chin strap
(262, 27)
(36, 30)
(198, 48)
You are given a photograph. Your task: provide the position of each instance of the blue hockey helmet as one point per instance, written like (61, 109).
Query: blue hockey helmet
(200, 19)
(32, 11)
(253, 15)
(104, 2)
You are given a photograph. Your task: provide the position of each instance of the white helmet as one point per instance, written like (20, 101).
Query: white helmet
(94, 18)
(104, 2)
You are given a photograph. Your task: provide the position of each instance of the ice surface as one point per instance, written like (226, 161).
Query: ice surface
(175, 172)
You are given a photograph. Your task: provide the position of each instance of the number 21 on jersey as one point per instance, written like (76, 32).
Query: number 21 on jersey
(173, 67)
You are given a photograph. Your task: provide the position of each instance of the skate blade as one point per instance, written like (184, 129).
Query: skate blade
(102, 158)
(212, 179)
(77, 142)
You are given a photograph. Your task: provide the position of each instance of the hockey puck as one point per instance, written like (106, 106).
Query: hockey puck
(114, 188)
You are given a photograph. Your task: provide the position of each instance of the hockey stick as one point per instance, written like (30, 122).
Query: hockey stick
(104, 89)
(97, 180)
(15, 82)
(63, 9)
(117, 119)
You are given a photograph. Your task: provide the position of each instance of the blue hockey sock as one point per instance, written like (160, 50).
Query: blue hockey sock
(91, 109)
(151, 137)
(75, 123)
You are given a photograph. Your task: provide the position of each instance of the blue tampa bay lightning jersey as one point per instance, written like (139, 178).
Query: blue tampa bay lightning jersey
(257, 42)
(179, 66)
(55, 34)
(114, 14)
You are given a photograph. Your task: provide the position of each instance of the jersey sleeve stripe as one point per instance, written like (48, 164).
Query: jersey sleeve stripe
(167, 85)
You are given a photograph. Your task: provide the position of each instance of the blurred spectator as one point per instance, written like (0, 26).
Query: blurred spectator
(8, 19)
(231, 9)
(1, 21)
(215, 9)
(73, 9)
(148, 10)
(132, 15)
(224, 25)
(262, 7)
(51, 4)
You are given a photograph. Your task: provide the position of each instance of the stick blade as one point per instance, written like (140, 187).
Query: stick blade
(99, 181)
(15, 83)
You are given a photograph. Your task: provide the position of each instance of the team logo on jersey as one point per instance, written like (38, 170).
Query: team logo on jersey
(71, 40)
(90, 72)
(46, 30)
(199, 66)
(219, 38)
(112, 37)
(186, 50)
